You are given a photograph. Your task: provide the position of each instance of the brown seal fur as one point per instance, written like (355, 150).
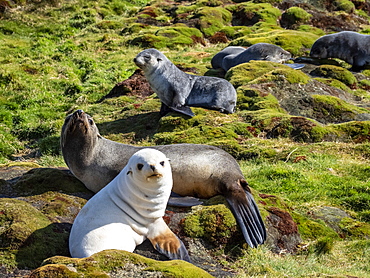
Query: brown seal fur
(198, 170)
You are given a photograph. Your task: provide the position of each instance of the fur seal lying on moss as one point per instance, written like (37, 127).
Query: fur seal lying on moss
(216, 61)
(198, 170)
(258, 51)
(128, 210)
(178, 90)
(352, 47)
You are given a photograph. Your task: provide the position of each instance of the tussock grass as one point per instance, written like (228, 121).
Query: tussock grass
(347, 259)
(334, 174)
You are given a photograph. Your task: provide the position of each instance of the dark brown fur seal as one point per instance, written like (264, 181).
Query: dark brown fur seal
(178, 90)
(198, 170)
(352, 47)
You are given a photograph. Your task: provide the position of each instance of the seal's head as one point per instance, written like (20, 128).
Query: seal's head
(150, 59)
(321, 48)
(318, 51)
(150, 169)
(79, 127)
(271, 52)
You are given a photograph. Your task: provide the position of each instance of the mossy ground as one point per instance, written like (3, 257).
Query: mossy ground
(61, 56)
(100, 264)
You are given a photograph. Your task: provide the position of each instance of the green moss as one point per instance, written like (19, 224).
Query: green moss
(339, 73)
(54, 271)
(110, 24)
(181, 35)
(27, 236)
(215, 223)
(252, 99)
(149, 41)
(206, 126)
(197, 135)
(257, 12)
(311, 29)
(54, 204)
(335, 109)
(168, 37)
(297, 15)
(212, 19)
(40, 180)
(281, 74)
(297, 43)
(233, 32)
(335, 83)
(100, 264)
(345, 5)
(355, 228)
(134, 28)
(244, 73)
(311, 230)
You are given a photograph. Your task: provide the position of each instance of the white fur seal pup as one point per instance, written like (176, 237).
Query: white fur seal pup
(258, 51)
(178, 90)
(352, 47)
(198, 170)
(129, 210)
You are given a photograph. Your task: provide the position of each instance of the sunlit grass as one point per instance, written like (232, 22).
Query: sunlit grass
(347, 259)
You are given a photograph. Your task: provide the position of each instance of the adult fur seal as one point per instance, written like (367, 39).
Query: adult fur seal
(258, 51)
(178, 90)
(349, 46)
(197, 170)
(128, 210)
(216, 61)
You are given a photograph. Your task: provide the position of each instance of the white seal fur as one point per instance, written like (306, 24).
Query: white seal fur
(128, 210)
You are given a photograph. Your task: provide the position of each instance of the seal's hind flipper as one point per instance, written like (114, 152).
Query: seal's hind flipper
(248, 217)
(186, 110)
(167, 243)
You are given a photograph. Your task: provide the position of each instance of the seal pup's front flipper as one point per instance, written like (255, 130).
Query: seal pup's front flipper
(166, 242)
(186, 110)
(247, 215)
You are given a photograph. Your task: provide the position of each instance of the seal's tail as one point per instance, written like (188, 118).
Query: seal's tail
(248, 217)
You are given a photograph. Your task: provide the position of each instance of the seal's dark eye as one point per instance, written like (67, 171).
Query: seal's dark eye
(162, 163)
(91, 122)
(140, 166)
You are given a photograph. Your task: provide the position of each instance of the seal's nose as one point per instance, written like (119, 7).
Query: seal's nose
(134, 60)
(152, 167)
(79, 112)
